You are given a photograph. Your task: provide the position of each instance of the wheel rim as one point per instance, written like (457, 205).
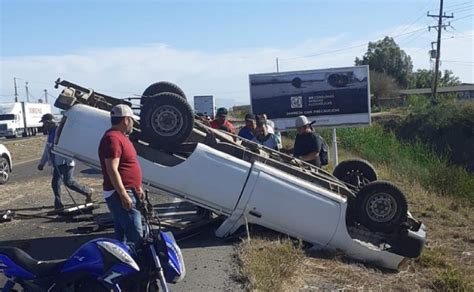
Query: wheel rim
(357, 178)
(167, 120)
(4, 171)
(381, 207)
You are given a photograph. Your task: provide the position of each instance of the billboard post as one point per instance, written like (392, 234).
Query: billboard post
(334, 147)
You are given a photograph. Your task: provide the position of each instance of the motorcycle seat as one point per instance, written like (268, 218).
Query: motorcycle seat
(37, 268)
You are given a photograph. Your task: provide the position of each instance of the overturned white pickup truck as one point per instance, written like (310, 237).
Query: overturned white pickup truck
(348, 210)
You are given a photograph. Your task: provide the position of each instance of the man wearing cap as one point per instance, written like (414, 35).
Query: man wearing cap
(63, 168)
(307, 142)
(221, 120)
(248, 132)
(122, 175)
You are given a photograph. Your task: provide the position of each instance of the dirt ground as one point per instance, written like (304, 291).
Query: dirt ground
(23, 150)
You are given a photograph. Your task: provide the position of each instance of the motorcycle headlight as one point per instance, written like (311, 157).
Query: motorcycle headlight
(119, 253)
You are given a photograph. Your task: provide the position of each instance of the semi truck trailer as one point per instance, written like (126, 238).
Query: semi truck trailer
(21, 118)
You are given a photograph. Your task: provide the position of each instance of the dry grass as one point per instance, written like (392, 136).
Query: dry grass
(25, 149)
(447, 263)
(270, 265)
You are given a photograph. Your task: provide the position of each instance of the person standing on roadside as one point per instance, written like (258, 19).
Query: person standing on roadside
(221, 120)
(63, 168)
(270, 127)
(263, 137)
(122, 175)
(248, 132)
(307, 142)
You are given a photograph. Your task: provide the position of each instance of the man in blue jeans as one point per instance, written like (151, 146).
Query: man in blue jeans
(63, 168)
(122, 175)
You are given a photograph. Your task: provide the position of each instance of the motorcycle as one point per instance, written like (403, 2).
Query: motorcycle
(101, 264)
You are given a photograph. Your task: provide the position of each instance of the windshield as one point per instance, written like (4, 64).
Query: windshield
(7, 117)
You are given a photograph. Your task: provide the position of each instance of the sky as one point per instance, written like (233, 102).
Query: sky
(211, 47)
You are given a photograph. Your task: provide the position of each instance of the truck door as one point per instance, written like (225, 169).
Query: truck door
(290, 205)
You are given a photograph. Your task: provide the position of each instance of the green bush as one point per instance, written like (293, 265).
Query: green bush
(418, 101)
(414, 160)
(448, 127)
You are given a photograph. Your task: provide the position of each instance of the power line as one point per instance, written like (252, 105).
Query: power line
(420, 17)
(411, 38)
(456, 61)
(470, 15)
(347, 48)
(458, 4)
(463, 9)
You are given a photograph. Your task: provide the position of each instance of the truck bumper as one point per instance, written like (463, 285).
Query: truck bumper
(410, 243)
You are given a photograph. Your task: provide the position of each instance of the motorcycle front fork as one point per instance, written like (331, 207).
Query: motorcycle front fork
(159, 268)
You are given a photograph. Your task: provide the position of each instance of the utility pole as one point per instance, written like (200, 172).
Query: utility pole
(278, 69)
(440, 16)
(46, 96)
(16, 91)
(27, 92)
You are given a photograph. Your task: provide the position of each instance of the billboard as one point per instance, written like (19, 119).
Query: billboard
(331, 97)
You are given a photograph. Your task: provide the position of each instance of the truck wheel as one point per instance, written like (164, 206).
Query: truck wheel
(4, 171)
(166, 120)
(161, 87)
(381, 207)
(356, 172)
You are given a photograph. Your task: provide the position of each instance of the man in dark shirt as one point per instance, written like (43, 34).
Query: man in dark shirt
(248, 131)
(307, 142)
(122, 175)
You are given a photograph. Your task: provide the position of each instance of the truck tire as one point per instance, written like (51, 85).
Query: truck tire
(381, 207)
(4, 170)
(161, 87)
(166, 120)
(356, 172)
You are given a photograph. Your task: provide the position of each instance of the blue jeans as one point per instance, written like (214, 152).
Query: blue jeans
(65, 172)
(127, 223)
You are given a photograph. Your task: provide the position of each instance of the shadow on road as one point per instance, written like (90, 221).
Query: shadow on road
(48, 248)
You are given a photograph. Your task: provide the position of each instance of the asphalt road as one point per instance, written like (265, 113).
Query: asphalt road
(209, 261)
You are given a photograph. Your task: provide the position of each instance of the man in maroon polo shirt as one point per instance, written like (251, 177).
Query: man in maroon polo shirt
(122, 175)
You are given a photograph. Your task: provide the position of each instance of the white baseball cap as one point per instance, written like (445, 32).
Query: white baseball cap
(121, 110)
(302, 121)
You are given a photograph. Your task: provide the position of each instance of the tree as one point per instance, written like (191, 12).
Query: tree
(385, 56)
(382, 86)
(449, 79)
(423, 78)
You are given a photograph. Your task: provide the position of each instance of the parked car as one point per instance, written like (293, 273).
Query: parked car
(5, 164)
(348, 210)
